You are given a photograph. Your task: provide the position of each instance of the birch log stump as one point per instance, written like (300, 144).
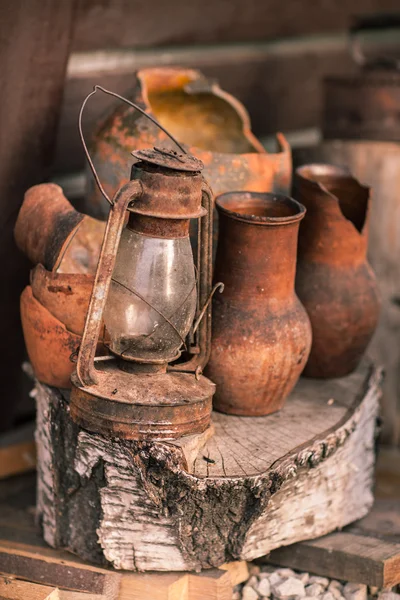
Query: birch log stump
(236, 492)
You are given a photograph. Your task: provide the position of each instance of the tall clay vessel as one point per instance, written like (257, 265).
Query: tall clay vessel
(334, 280)
(261, 333)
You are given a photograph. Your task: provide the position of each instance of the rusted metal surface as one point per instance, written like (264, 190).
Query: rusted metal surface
(261, 333)
(143, 406)
(200, 346)
(45, 225)
(209, 122)
(334, 279)
(85, 370)
(65, 296)
(156, 227)
(166, 193)
(141, 401)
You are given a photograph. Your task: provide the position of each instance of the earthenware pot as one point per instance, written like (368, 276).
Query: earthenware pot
(334, 280)
(212, 124)
(261, 333)
(53, 308)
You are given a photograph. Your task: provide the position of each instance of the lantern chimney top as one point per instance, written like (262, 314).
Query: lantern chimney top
(169, 159)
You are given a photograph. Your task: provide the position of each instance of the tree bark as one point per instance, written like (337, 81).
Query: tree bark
(255, 485)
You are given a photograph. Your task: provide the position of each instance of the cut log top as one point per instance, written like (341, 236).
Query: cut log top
(246, 446)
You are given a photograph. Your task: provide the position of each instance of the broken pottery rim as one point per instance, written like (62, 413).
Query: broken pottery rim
(261, 198)
(310, 173)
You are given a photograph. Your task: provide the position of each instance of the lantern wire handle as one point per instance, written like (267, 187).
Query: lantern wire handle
(138, 108)
(218, 286)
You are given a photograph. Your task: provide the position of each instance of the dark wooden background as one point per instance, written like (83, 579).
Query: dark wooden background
(273, 55)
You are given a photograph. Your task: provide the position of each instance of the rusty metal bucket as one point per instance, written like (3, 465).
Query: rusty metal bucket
(213, 125)
(53, 308)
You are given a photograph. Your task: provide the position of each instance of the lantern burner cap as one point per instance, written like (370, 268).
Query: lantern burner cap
(170, 159)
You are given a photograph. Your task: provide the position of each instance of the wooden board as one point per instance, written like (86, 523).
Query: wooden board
(119, 23)
(256, 484)
(367, 551)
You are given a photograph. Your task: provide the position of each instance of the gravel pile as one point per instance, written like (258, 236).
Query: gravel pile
(269, 583)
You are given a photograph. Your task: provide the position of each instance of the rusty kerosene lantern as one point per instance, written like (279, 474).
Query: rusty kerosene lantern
(153, 301)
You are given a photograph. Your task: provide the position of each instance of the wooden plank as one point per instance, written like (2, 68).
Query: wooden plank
(157, 586)
(15, 589)
(238, 571)
(347, 556)
(213, 584)
(135, 23)
(34, 47)
(56, 569)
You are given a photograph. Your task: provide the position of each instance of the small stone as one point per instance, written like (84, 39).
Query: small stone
(334, 584)
(327, 596)
(249, 593)
(356, 591)
(236, 596)
(321, 580)
(252, 582)
(373, 590)
(304, 577)
(336, 589)
(264, 588)
(264, 575)
(288, 588)
(285, 573)
(274, 578)
(254, 569)
(314, 590)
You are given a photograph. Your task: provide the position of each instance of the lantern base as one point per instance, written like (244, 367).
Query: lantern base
(142, 406)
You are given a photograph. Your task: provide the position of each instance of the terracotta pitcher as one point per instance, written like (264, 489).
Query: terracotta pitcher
(65, 246)
(261, 333)
(334, 280)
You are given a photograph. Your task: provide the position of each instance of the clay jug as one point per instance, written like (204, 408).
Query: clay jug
(261, 333)
(212, 124)
(334, 280)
